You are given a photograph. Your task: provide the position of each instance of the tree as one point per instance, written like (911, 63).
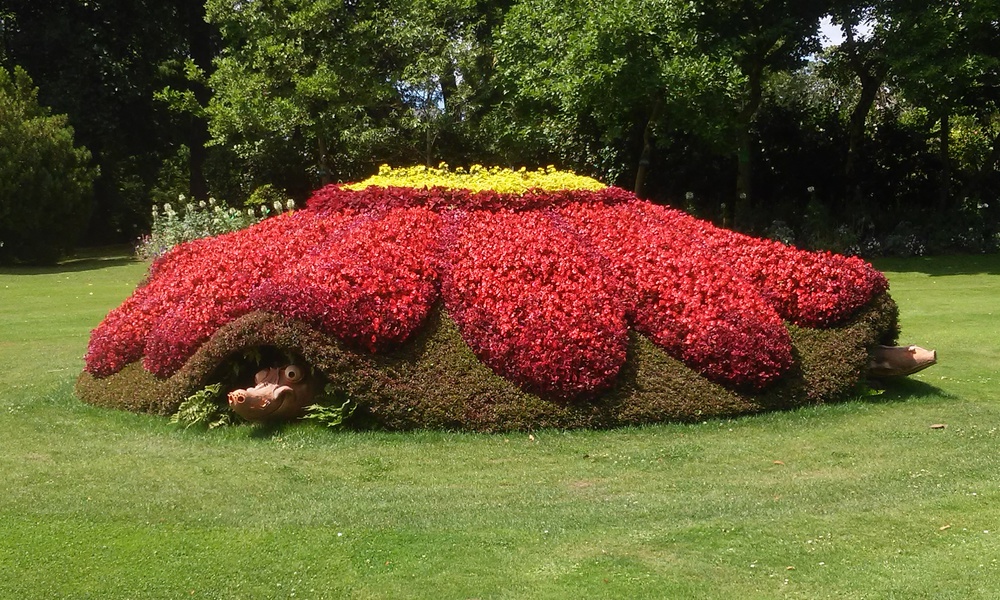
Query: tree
(98, 62)
(982, 95)
(761, 37)
(304, 91)
(45, 180)
(598, 83)
(446, 76)
(801, 133)
(945, 58)
(862, 58)
(196, 49)
(7, 22)
(312, 92)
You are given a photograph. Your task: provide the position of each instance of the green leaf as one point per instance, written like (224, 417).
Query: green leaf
(203, 408)
(328, 412)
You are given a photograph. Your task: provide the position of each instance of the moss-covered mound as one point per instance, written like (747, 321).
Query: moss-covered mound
(497, 299)
(436, 381)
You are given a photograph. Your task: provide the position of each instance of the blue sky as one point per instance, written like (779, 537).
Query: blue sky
(831, 35)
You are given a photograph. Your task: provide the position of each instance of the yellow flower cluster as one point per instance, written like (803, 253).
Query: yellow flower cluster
(478, 178)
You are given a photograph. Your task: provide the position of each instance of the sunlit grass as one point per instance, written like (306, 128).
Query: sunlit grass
(856, 500)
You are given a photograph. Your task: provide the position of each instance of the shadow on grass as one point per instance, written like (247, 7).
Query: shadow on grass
(83, 259)
(267, 431)
(940, 266)
(902, 390)
(70, 266)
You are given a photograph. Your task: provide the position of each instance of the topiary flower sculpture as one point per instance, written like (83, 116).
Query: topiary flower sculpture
(494, 299)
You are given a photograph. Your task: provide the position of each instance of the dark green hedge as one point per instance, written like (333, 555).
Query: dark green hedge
(45, 179)
(435, 381)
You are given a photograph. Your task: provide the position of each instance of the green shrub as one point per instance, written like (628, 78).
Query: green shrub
(197, 220)
(173, 179)
(204, 407)
(45, 181)
(267, 195)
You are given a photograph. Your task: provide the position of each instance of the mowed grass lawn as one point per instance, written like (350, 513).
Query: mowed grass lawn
(857, 500)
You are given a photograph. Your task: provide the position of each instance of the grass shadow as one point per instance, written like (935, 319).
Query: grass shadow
(267, 431)
(903, 389)
(72, 266)
(89, 259)
(940, 266)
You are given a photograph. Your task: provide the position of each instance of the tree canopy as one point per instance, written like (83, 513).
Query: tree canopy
(723, 108)
(45, 179)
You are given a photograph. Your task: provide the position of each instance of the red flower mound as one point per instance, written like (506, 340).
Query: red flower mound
(367, 279)
(533, 303)
(542, 285)
(195, 289)
(683, 299)
(373, 288)
(811, 289)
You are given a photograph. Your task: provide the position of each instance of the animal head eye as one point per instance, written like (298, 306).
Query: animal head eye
(294, 373)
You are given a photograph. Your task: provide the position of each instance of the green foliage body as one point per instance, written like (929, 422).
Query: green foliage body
(45, 180)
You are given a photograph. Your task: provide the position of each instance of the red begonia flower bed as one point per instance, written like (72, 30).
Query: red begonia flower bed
(543, 285)
(533, 301)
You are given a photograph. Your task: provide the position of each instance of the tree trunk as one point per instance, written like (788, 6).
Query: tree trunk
(429, 138)
(743, 208)
(944, 150)
(323, 164)
(200, 47)
(993, 158)
(744, 178)
(648, 139)
(871, 81)
(449, 89)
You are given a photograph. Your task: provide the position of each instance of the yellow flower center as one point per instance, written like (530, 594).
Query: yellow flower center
(478, 178)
